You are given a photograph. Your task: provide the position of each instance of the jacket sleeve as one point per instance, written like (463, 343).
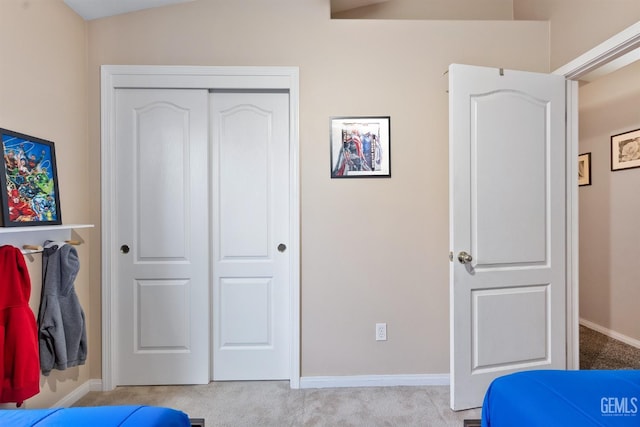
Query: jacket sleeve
(21, 357)
(19, 373)
(51, 335)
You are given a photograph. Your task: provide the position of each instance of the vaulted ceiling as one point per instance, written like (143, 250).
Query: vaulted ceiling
(94, 9)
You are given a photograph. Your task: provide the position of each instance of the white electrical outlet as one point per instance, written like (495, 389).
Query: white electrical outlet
(381, 331)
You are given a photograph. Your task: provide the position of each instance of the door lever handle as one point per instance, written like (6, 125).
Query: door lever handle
(464, 258)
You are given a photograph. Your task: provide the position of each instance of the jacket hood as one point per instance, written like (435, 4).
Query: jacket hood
(15, 284)
(63, 264)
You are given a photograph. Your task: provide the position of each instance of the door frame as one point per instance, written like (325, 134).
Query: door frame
(602, 54)
(196, 77)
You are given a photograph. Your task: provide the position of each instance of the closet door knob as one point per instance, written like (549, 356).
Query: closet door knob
(124, 249)
(282, 247)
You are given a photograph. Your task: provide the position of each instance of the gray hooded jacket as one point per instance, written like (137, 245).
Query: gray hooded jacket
(61, 323)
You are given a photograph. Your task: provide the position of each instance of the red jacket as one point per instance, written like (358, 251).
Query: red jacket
(19, 362)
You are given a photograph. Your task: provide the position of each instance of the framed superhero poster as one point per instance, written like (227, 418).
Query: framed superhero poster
(28, 181)
(360, 147)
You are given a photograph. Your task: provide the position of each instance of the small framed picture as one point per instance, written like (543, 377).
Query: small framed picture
(584, 169)
(625, 150)
(28, 181)
(360, 147)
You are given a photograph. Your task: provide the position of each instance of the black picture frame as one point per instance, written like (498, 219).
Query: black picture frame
(28, 181)
(625, 150)
(584, 169)
(360, 147)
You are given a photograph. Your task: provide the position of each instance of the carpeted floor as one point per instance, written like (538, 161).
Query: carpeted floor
(273, 403)
(598, 351)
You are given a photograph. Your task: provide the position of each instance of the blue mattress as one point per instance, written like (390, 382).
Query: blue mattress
(99, 416)
(563, 399)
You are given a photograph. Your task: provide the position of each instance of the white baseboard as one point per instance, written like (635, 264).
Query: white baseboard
(78, 393)
(375, 381)
(96, 385)
(612, 334)
(305, 382)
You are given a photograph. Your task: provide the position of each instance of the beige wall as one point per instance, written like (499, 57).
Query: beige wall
(433, 9)
(609, 238)
(43, 92)
(373, 250)
(351, 277)
(578, 25)
(575, 25)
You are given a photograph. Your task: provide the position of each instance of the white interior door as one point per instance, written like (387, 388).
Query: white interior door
(251, 292)
(507, 224)
(162, 308)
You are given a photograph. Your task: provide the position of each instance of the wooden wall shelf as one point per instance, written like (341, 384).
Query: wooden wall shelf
(36, 235)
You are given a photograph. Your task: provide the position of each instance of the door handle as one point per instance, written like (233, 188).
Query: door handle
(282, 247)
(464, 258)
(124, 249)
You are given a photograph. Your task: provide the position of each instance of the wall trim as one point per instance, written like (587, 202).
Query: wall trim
(613, 48)
(375, 381)
(604, 53)
(96, 385)
(78, 393)
(610, 333)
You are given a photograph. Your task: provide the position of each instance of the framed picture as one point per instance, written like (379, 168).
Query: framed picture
(360, 147)
(28, 181)
(584, 169)
(625, 150)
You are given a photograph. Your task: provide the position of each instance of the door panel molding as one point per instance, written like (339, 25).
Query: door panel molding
(249, 176)
(142, 76)
(161, 284)
(503, 292)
